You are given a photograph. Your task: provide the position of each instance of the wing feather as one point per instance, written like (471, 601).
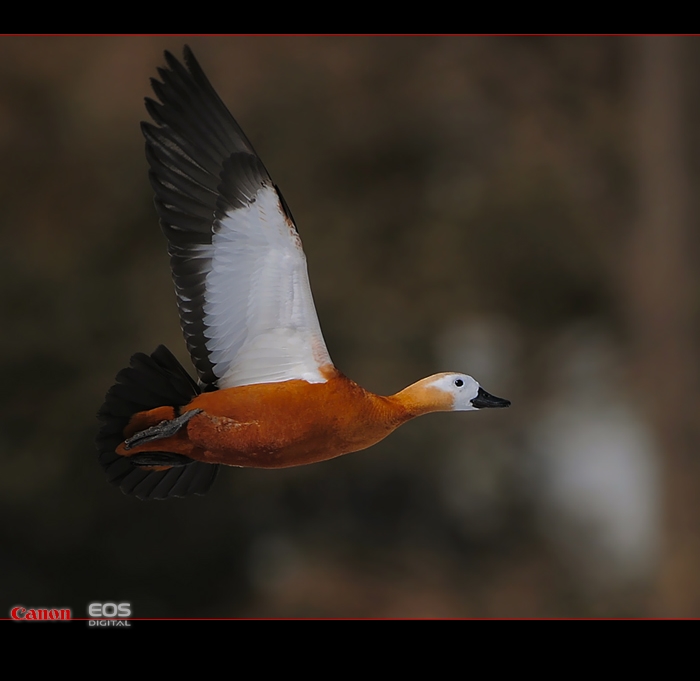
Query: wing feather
(239, 270)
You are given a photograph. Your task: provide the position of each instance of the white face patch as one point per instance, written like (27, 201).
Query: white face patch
(461, 387)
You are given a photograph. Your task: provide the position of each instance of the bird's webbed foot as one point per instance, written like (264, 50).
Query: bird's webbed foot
(160, 430)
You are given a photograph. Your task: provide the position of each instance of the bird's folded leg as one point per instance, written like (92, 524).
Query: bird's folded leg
(160, 430)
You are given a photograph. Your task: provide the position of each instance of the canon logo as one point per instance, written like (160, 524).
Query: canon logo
(19, 612)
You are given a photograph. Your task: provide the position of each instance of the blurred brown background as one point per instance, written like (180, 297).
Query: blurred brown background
(521, 209)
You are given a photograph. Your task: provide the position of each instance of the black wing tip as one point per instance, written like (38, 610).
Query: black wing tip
(193, 65)
(187, 55)
(174, 64)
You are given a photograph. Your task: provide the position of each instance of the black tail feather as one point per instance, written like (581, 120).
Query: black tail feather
(149, 382)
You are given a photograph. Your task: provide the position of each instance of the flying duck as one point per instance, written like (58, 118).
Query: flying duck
(267, 394)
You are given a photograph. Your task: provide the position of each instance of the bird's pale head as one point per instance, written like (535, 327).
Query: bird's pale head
(464, 393)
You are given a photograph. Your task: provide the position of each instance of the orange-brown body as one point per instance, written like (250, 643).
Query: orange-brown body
(275, 425)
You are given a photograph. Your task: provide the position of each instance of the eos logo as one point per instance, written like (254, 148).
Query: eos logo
(109, 609)
(106, 614)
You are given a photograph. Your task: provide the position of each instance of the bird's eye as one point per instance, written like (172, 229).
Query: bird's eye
(459, 382)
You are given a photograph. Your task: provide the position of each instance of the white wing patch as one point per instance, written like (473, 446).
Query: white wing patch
(261, 321)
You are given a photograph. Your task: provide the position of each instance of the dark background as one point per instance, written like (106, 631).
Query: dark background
(518, 208)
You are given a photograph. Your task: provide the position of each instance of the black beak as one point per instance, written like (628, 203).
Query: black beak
(484, 400)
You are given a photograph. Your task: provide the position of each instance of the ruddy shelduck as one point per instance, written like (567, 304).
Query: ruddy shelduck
(268, 395)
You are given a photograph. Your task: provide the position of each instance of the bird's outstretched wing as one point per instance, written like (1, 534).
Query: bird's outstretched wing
(240, 274)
